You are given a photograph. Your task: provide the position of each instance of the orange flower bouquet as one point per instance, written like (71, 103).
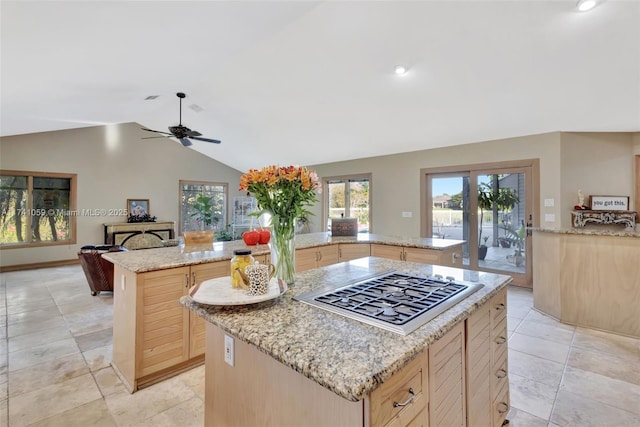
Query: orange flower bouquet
(284, 193)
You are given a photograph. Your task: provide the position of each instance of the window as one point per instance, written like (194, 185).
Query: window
(349, 196)
(203, 206)
(36, 209)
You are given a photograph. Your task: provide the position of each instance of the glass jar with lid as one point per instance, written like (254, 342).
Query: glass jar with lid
(241, 258)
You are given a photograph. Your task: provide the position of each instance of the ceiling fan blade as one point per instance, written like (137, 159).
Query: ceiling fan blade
(153, 137)
(156, 131)
(185, 142)
(190, 132)
(215, 141)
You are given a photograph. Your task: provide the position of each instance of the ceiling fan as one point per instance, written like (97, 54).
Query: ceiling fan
(181, 132)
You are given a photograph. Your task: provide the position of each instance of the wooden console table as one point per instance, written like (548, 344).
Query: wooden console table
(138, 235)
(580, 218)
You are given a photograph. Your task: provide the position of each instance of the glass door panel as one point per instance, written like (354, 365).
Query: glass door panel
(450, 210)
(501, 222)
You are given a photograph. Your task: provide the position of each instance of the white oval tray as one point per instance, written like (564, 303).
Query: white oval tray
(218, 291)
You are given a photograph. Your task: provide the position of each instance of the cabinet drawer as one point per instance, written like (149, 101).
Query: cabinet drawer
(499, 307)
(499, 374)
(501, 406)
(499, 342)
(384, 400)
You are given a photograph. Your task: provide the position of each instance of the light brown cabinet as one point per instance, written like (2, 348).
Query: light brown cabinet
(449, 257)
(487, 371)
(154, 337)
(478, 361)
(447, 379)
(351, 251)
(499, 362)
(315, 257)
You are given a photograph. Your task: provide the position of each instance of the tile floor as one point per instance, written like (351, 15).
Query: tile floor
(55, 347)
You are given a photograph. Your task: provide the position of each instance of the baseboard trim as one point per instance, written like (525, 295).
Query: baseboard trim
(20, 267)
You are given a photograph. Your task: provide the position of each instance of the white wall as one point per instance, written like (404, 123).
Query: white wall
(113, 164)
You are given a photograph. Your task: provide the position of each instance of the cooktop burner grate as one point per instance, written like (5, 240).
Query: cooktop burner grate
(394, 301)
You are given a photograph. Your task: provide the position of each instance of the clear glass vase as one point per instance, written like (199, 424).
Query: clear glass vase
(283, 249)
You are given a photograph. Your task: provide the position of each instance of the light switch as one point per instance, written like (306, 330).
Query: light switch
(123, 280)
(549, 203)
(407, 214)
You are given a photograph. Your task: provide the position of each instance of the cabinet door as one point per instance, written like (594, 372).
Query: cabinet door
(387, 251)
(328, 255)
(425, 256)
(306, 259)
(478, 349)
(163, 330)
(447, 379)
(349, 251)
(197, 329)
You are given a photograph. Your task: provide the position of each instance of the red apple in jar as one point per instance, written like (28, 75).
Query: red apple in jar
(265, 236)
(251, 238)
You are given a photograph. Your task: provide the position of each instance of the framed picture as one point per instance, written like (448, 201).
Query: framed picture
(138, 207)
(609, 203)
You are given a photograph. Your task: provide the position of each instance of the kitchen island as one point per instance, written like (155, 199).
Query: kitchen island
(155, 338)
(294, 364)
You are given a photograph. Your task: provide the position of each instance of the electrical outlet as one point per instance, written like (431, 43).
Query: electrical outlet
(549, 217)
(228, 350)
(407, 214)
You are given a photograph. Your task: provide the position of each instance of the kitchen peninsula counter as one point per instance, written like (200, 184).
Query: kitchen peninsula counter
(588, 277)
(177, 256)
(347, 357)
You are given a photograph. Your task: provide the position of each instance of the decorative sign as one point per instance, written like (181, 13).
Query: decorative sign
(609, 203)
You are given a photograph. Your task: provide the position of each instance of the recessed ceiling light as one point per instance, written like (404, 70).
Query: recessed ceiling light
(584, 5)
(400, 70)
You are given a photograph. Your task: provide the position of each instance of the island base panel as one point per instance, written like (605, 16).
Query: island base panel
(276, 394)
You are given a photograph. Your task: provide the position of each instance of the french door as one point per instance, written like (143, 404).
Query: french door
(490, 208)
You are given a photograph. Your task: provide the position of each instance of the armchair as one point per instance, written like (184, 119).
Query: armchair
(99, 271)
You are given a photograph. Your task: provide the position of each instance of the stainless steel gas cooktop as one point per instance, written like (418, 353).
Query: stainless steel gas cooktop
(393, 301)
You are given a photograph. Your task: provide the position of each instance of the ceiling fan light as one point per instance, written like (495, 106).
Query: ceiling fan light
(400, 70)
(585, 5)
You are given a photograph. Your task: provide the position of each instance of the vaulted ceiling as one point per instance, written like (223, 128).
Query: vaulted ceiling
(307, 82)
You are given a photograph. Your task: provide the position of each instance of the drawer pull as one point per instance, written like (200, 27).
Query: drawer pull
(501, 340)
(500, 307)
(502, 407)
(406, 402)
(501, 373)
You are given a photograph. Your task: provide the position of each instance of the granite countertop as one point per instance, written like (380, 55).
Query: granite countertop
(348, 357)
(589, 232)
(143, 260)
